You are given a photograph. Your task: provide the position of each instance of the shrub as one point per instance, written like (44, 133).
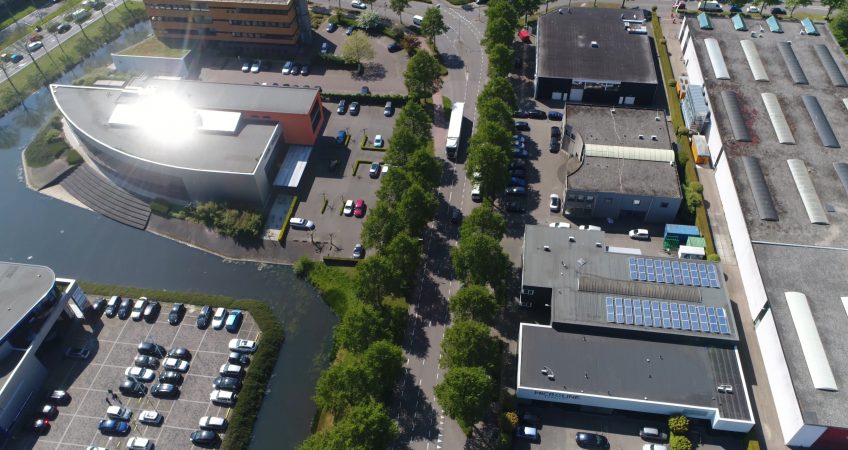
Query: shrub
(654, 8)
(682, 131)
(510, 421)
(662, 41)
(671, 83)
(303, 266)
(680, 443)
(160, 206)
(288, 217)
(72, 157)
(504, 440)
(678, 424)
(753, 444)
(713, 257)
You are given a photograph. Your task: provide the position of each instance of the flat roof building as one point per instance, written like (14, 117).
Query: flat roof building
(626, 166)
(632, 333)
(193, 141)
(785, 201)
(595, 55)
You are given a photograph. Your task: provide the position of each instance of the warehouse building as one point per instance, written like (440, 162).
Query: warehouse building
(784, 192)
(595, 55)
(33, 300)
(191, 141)
(626, 168)
(629, 333)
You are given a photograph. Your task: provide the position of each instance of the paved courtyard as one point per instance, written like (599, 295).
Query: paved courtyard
(113, 343)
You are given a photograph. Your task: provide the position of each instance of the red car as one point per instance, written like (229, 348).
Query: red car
(359, 208)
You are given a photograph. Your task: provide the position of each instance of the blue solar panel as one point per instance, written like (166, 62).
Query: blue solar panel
(696, 282)
(705, 326)
(675, 265)
(714, 283)
(684, 324)
(637, 303)
(684, 315)
(675, 315)
(664, 306)
(673, 307)
(711, 311)
(712, 320)
(637, 320)
(675, 323)
(628, 310)
(724, 329)
(657, 322)
(702, 267)
(693, 310)
(643, 276)
(655, 305)
(634, 275)
(610, 316)
(722, 320)
(618, 301)
(658, 264)
(720, 312)
(628, 319)
(668, 272)
(632, 260)
(640, 262)
(678, 280)
(711, 268)
(686, 280)
(660, 277)
(646, 312)
(702, 310)
(628, 302)
(696, 326)
(619, 317)
(714, 327)
(666, 323)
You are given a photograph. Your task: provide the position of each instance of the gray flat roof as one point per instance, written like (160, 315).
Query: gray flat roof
(582, 274)
(22, 287)
(622, 126)
(90, 108)
(565, 50)
(597, 364)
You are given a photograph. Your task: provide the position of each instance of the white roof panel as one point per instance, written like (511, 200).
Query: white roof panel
(807, 191)
(778, 120)
(293, 166)
(636, 153)
(754, 61)
(716, 59)
(811, 344)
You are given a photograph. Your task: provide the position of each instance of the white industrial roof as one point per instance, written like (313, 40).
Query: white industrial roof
(293, 166)
(807, 190)
(635, 153)
(716, 59)
(754, 61)
(778, 120)
(811, 344)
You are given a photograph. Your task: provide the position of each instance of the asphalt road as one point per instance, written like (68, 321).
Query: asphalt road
(50, 41)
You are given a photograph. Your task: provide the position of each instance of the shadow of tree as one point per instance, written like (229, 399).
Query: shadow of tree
(370, 72)
(417, 344)
(415, 423)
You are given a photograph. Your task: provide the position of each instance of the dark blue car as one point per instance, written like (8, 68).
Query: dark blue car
(113, 427)
(514, 181)
(340, 138)
(554, 115)
(735, 9)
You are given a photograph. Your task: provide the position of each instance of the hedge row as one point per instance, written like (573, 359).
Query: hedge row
(358, 163)
(397, 100)
(285, 227)
(160, 206)
(271, 338)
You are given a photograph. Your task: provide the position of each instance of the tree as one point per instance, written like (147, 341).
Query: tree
(839, 28)
(376, 278)
(363, 427)
(402, 146)
(527, 7)
(398, 7)
(492, 133)
(357, 48)
(416, 207)
(381, 225)
(793, 4)
(479, 259)
(422, 76)
(383, 362)
(425, 168)
(483, 219)
(404, 253)
(465, 394)
(474, 302)
(368, 20)
(498, 31)
(501, 59)
(833, 4)
(342, 385)
(393, 184)
(765, 3)
(495, 110)
(502, 9)
(414, 118)
(491, 163)
(360, 326)
(468, 344)
(501, 88)
(433, 24)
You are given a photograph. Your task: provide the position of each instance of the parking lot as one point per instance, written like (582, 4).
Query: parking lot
(113, 346)
(338, 184)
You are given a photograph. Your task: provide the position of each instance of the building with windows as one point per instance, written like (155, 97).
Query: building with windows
(625, 168)
(628, 333)
(782, 177)
(231, 24)
(187, 141)
(595, 55)
(32, 300)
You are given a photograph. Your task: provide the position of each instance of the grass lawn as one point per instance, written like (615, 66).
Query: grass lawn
(71, 53)
(336, 285)
(154, 47)
(49, 145)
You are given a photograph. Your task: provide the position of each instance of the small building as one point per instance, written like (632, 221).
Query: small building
(153, 57)
(629, 333)
(627, 168)
(594, 55)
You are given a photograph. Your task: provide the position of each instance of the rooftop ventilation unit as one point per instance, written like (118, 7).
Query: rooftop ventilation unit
(653, 137)
(594, 44)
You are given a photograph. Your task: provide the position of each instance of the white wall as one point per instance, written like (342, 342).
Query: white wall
(152, 65)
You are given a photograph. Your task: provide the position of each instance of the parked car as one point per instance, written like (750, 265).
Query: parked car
(653, 434)
(218, 318)
(778, 11)
(349, 30)
(378, 141)
(394, 47)
(227, 383)
(242, 346)
(348, 208)
(554, 146)
(171, 377)
(591, 440)
(238, 358)
(517, 164)
(151, 311)
(132, 388)
(536, 114)
(223, 398)
(16, 58)
(64, 28)
(354, 108)
(516, 138)
(139, 443)
(554, 115)
(639, 234)
(125, 309)
(113, 427)
(753, 9)
(180, 353)
(118, 413)
(256, 66)
(554, 203)
(388, 110)
(33, 46)
(234, 321)
(342, 106)
(177, 365)
(231, 370)
(164, 390)
(49, 412)
(514, 207)
(138, 308)
(146, 361)
(301, 223)
(358, 251)
(213, 423)
(364, 90)
(560, 225)
(517, 173)
(140, 373)
(204, 317)
(359, 208)
(59, 397)
(151, 349)
(735, 9)
(519, 114)
(149, 417)
(325, 48)
(556, 132)
(112, 306)
(331, 27)
(358, 4)
(98, 306)
(522, 126)
(77, 353)
(516, 191)
(374, 170)
(590, 228)
(304, 71)
(519, 153)
(245, 67)
(204, 437)
(41, 426)
(177, 313)
(295, 69)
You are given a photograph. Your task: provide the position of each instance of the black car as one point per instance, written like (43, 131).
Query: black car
(554, 147)
(113, 427)
(536, 114)
(354, 108)
(148, 362)
(332, 26)
(132, 388)
(516, 191)
(151, 311)
(111, 310)
(59, 397)
(342, 106)
(591, 440)
(98, 305)
(519, 153)
(394, 47)
(364, 90)
(515, 207)
(151, 349)
(517, 173)
(204, 317)
(49, 412)
(64, 28)
(517, 164)
(456, 216)
(176, 314)
(522, 126)
(778, 11)
(239, 359)
(125, 309)
(41, 426)
(556, 132)
(554, 115)
(164, 390)
(518, 138)
(171, 377)
(520, 114)
(204, 437)
(180, 353)
(227, 383)
(519, 144)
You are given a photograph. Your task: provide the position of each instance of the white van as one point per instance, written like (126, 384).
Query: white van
(710, 6)
(417, 20)
(475, 193)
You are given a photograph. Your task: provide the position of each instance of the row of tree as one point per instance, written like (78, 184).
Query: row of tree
(469, 351)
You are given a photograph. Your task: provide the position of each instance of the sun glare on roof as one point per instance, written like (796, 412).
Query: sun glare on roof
(166, 118)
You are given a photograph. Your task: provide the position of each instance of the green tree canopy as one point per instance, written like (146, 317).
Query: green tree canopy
(416, 207)
(342, 385)
(433, 23)
(404, 253)
(500, 87)
(369, 20)
(422, 76)
(424, 167)
(357, 48)
(468, 344)
(383, 362)
(483, 219)
(414, 118)
(465, 394)
(491, 162)
(502, 9)
(393, 184)
(361, 325)
(479, 259)
(794, 4)
(489, 132)
(364, 427)
(403, 144)
(839, 28)
(498, 31)
(500, 60)
(398, 7)
(833, 5)
(376, 278)
(381, 225)
(474, 302)
(495, 110)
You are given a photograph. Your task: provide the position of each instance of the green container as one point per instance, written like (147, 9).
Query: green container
(696, 242)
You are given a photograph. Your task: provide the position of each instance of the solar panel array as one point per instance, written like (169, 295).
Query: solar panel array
(681, 273)
(658, 314)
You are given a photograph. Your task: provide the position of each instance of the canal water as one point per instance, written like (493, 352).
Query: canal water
(80, 244)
